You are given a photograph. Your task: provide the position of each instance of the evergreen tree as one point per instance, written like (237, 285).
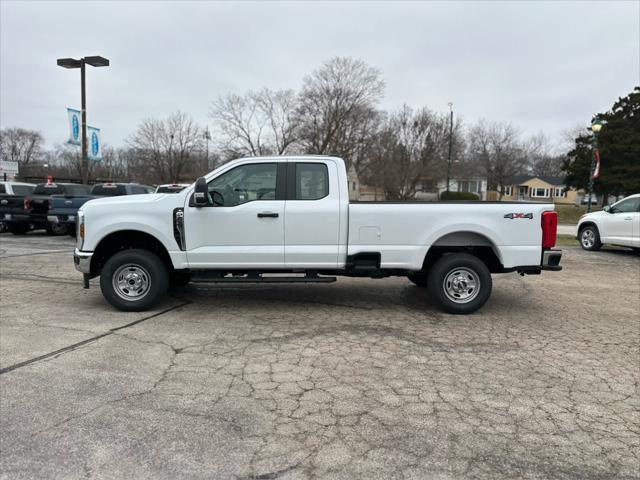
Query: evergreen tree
(619, 144)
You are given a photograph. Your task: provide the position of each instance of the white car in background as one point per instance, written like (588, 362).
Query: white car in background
(618, 224)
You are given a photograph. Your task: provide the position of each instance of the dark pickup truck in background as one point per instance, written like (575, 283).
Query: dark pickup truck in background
(12, 200)
(64, 208)
(23, 213)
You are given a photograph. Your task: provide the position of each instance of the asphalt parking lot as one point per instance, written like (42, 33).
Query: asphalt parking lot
(357, 379)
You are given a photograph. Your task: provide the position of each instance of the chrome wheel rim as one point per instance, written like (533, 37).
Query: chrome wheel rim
(131, 282)
(588, 238)
(461, 285)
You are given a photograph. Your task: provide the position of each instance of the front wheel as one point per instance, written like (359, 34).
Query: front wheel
(134, 280)
(590, 238)
(460, 283)
(56, 229)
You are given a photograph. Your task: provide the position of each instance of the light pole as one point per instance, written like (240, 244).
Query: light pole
(450, 146)
(207, 137)
(94, 61)
(596, 126)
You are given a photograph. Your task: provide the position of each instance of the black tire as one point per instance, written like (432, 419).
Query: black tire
(589, 238)
(3, 227)
(18, 228)
(418, 279)
(147, 272)
(449, 277)
(57, 229)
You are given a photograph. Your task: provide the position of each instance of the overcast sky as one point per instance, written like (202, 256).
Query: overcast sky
(544, 66)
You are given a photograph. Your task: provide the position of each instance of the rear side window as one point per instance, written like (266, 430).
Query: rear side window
(170, 189)
(312, 181)
(48, 189)
(137, 190)
(23, 189)
(108, 190)
(77, 189)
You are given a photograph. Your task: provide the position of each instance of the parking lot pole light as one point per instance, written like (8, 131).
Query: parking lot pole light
(450, 147)
(94, 61)
(596, 126)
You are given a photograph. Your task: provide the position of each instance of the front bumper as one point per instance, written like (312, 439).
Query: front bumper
(551, 260)
(62, 219)
(82, 261)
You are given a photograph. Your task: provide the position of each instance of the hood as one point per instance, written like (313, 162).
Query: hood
(587, 216)
(134, 201)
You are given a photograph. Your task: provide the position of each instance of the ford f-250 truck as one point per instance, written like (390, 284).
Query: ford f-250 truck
(289, 219)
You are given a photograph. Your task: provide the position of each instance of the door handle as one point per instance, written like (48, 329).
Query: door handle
(627, 218)
(267, 215)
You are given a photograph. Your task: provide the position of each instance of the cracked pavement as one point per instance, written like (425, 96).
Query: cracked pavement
(357, 379)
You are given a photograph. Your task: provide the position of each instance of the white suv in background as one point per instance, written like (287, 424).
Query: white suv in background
(618, 224)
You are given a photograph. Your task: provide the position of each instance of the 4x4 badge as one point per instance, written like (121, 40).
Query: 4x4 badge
(519, 215)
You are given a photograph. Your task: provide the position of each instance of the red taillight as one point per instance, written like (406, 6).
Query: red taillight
(549, 229)
(28, 204)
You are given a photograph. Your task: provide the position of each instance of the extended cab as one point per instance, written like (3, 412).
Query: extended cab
(289, 219)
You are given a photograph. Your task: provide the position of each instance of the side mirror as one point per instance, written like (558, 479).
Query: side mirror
(201, 193)
(607, 209)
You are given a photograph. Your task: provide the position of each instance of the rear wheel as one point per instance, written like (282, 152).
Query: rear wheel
(460, 283)
(18, 228)
(419, 279)
(590, 238)
(134, 280)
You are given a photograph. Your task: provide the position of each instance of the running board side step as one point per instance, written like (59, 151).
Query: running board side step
(260, 279)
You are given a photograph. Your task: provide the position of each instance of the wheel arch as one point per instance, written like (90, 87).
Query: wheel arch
(588, 223)
(121, 240)
(465, 241)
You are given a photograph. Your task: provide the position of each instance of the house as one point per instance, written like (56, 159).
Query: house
(541, 188)
(472, 184)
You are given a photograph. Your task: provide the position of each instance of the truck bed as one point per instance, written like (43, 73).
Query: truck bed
(404, 231)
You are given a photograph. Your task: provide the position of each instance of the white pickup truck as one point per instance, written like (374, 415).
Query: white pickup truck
(289, 219)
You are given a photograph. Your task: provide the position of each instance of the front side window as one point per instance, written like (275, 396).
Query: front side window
(246, 183)
(626, 206)
(312, 181)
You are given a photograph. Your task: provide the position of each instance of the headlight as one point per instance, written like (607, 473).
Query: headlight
(80, 229)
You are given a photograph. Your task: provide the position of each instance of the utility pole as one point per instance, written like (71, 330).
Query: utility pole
(450, 146)
(207, 137)
(84, 162)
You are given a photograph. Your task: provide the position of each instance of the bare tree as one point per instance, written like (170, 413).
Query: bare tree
(168, 148)
(498, 149)
(335, 99)
(257, 123)
(544, 159)
(20, 145)
(410, 147)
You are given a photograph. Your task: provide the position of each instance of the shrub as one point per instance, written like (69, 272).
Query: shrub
(458, 196)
